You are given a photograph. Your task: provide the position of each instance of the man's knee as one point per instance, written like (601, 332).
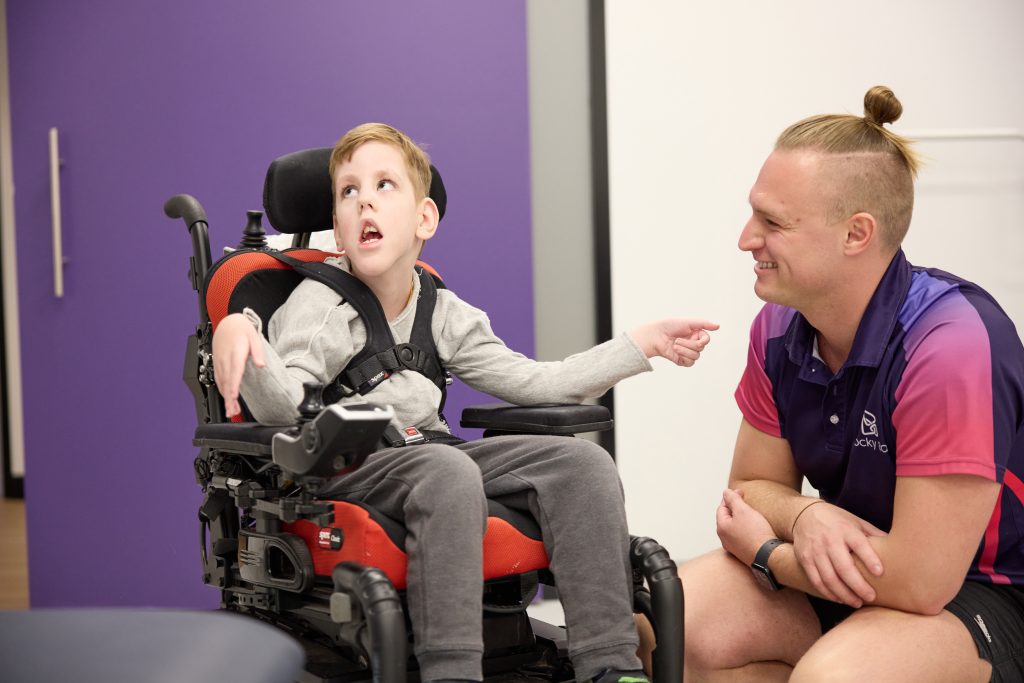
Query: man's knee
(823, 663)
(731, 621)
(839, 658)
(902, 647)
(711, 641)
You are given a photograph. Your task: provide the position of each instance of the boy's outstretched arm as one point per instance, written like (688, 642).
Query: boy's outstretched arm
(233, 343)
(680, 340)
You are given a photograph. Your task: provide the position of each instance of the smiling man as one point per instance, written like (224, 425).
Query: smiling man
(898, 392)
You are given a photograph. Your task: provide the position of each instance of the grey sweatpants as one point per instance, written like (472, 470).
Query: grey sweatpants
(438, 492)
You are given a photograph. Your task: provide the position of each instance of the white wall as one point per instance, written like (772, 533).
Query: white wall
(697, 93)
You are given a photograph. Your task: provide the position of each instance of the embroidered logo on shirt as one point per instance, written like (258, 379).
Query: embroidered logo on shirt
(868, 425)
(869, 428)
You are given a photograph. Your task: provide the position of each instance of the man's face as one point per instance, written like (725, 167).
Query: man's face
(797, 253)
(377, 218)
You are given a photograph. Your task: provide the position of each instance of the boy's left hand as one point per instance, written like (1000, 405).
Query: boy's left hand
(680, 340)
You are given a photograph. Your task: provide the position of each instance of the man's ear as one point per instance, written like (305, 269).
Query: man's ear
(428, 219)
(861, 232)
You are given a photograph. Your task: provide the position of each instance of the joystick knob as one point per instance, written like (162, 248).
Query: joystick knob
(253, 236)
(312, 403)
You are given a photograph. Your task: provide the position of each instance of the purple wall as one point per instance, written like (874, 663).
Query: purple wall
(153, 99)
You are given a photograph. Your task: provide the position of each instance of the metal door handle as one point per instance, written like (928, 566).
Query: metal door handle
(58, 245)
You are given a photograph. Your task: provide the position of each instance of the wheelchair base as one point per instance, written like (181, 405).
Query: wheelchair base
(517, 648)
(547, 662)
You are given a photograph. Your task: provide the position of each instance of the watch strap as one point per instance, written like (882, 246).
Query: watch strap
(760, 563)
(761, 558)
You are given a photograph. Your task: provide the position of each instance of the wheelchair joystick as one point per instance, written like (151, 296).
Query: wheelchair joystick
(253, 236)
(312, 401)
(327, 441)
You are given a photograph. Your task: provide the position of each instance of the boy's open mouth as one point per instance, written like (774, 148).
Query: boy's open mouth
(370, 233)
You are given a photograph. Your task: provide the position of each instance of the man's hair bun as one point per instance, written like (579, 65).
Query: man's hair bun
(881, 106)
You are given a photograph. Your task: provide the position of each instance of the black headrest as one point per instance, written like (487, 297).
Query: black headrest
(297, 193)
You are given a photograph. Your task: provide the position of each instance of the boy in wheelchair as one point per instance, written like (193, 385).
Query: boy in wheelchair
(438, 485)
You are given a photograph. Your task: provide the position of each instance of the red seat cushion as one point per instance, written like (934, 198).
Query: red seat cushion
(507, 549)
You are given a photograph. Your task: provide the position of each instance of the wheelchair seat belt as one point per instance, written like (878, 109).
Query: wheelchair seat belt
(410, 436)
(381, 356)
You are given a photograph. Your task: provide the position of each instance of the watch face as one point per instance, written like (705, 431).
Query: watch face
(759, 566)
(762, 578)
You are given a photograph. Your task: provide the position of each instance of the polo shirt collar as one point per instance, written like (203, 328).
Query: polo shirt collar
(876, 326)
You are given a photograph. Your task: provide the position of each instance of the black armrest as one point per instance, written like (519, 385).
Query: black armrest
(250, 438)
(540, 419)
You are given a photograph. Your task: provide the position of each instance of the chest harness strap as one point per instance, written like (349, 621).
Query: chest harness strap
(381, 356)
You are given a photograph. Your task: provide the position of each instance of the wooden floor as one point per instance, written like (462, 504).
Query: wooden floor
(13, 555)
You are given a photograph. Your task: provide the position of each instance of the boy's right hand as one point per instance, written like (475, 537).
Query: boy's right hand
(680, 340)
(234, 342)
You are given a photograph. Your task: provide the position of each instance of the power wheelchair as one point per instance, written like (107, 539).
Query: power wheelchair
(330, 572)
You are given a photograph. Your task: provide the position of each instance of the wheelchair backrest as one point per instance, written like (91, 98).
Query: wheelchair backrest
(252, 278)
(297, 199)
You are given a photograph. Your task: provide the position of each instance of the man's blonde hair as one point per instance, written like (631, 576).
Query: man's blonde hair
(416, 160)
(869, 168)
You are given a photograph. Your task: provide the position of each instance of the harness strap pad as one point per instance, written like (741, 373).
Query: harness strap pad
(399, 357)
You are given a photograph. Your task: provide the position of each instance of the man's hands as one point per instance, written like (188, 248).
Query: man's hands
(826, 539)
(679, 340)
(741, 528)
(234, 342)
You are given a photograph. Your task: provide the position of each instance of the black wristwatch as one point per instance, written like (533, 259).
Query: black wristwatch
(760, 568)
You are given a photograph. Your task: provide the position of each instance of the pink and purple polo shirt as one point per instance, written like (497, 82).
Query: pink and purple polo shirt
(934, 385)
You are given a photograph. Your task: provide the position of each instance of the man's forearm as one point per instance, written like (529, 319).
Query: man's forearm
(905, 585)
(780, 504)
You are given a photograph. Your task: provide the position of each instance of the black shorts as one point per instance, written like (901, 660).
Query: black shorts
(993, 615)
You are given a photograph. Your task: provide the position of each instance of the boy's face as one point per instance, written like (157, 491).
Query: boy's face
(378, 221)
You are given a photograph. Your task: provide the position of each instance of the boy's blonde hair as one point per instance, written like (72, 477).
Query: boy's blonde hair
(868, 167)
(416, 160)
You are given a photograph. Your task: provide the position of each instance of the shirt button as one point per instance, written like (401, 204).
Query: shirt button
(834, 419)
